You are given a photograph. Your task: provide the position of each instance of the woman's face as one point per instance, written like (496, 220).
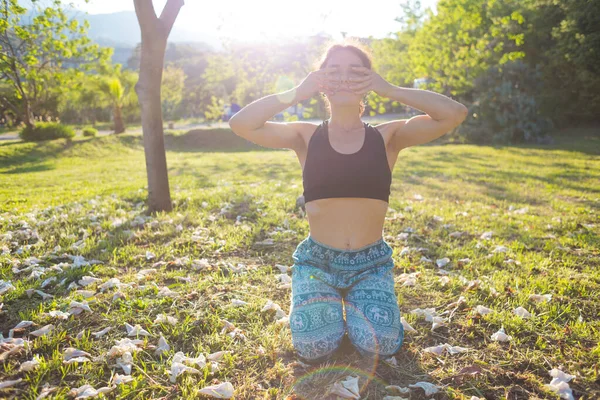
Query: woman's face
(344, 60)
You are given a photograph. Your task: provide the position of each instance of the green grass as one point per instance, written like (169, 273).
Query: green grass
(88, 198)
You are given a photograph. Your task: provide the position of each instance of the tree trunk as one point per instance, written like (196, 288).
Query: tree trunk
(155, 32)
(118, 119)
(28, 115)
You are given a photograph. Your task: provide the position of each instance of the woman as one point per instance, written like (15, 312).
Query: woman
(346, 168)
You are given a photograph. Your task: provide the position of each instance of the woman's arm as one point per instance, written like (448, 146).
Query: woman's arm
(251, 122)
(442, 113)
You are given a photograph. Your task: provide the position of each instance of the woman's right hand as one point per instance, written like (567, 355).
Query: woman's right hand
(321, 80)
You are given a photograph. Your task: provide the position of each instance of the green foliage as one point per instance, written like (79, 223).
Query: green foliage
(46, 131)
(37, 55)
(89, 131)
(506, 110)
(214, 111)
(171, 94)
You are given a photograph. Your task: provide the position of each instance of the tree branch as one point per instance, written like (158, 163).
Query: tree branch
(169, 14)
(144, 10)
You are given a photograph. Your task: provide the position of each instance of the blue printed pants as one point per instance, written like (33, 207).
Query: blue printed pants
(325, 280)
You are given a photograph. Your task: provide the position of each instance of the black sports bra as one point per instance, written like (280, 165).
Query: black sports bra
(328, 173)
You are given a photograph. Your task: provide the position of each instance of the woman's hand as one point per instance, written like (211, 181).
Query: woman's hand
(370, 80)
(320, 80)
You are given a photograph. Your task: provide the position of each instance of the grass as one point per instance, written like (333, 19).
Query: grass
(87, 198)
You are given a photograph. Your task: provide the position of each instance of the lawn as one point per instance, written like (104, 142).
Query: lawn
(114, 294)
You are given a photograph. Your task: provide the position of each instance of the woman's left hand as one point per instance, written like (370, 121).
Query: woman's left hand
(370, 80)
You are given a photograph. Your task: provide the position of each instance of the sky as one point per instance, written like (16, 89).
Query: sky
(268, 19)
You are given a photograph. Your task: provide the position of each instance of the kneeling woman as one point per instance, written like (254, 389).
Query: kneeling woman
(347, 164)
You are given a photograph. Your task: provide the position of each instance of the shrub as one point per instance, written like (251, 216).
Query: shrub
(506, 108)
(88, 131)
(46, 131)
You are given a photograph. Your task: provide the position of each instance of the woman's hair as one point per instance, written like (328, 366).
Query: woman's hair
(352, 44)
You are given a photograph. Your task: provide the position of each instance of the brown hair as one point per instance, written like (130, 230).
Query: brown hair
(352, 44)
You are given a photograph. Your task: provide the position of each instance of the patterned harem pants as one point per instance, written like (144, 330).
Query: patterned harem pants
(327, 280)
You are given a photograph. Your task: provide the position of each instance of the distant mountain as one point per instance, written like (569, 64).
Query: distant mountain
(122, 28)
(121, 31)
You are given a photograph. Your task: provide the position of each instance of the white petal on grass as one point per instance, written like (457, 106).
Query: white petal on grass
(284, 278)
(482, 310)
(179, 357)
(119, 379)
(501, 336)
(136, 330)
(521, 312)
(218, 355)
(238, 302)
(88, 391)
(101, 333)
(397, 389)
(86, 293)
(348, 388)
(166, 292)
(559, 383)
(486, 235)
(429, 388)
(109, 284)
(439, 350)
(6, 384)
(43, 331)
(437, 322)
(76, 307)
(270, 305)
(200, 264)
(221, 391)
(125, 362)
(23, 324)
(167, 319)
(283, 268)
(71, 352)
(540, 298)
(406, 326)
(500, 249)
(124, 345)
(560, 375)
(45, 296)
(163, 346)
(59, 314)
(119, 295)
(145, 273)
(6, 286)
(442, 262)
(30, 365)
(179, 368)
(150, 255)
(444, 280)
(77, 360)
(88, 280)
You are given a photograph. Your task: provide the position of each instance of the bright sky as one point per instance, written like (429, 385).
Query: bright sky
(268, 19)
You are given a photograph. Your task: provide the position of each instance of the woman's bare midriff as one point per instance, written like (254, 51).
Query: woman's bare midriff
(346, 223)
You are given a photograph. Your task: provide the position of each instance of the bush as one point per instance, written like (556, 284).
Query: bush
(46, 131)
(88, 131)
(506, 109)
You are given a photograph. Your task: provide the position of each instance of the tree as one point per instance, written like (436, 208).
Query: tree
(118, 89)
(155, 32)
(32, 55)
(172, 90)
